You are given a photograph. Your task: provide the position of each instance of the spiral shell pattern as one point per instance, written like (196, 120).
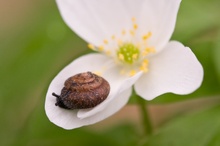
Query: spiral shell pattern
(83, 90)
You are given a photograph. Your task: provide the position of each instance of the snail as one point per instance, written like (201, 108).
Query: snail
(83, 90)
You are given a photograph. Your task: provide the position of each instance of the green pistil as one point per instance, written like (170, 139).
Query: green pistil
(128, 53)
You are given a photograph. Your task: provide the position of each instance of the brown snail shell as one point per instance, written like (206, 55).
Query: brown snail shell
(83, 90)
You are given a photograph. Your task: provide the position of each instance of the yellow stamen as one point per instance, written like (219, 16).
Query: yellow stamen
(120, 42)
(149, 34)
(135, 56)
(146, 36)
(150, 50)
(129, 50)
(113, 37)
(144, 66)
(123, 32)
(144, 69)
(135, 26)
(105, 41)
(145, 62)
(108, 52)
(99, 73)
(101, 48)
(121, 57)
(145, 53)
(133, 19)
(91, 46)
(132, 32)
(132, 72)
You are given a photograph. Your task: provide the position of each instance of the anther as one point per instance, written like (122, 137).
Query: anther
(105, 41)
(123, 32)
(91, 46)
(132, 73)
(132, 32)
(121, 57)
(101, 48)
(133, 19)
(113, 37)
(135, 26)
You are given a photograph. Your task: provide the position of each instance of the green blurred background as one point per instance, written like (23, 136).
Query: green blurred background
(35, 45)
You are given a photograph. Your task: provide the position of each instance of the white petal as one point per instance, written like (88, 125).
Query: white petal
(93, 62)
(118, 83)
(175, 69)
(112, 107)
(159, 17)
(68, 119)
(96, 20)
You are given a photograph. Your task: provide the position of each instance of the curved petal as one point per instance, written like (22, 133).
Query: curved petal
(96, 20)
(118, 83)
(175, 69)
(159, 18)
(69, 120)
(91, 62)
(115, 105)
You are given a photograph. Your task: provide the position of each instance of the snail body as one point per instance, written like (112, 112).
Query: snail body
(83, 90)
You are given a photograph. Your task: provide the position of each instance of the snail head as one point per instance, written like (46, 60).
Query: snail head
(59, 101)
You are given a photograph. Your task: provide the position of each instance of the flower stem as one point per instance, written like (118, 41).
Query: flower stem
(145, 116)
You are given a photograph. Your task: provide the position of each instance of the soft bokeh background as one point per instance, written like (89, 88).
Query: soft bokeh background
(35, 45)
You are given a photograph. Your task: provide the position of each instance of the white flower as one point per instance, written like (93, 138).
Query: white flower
(132, 41)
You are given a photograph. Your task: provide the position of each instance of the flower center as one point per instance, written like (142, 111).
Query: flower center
(130, 49)
(128, 53)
